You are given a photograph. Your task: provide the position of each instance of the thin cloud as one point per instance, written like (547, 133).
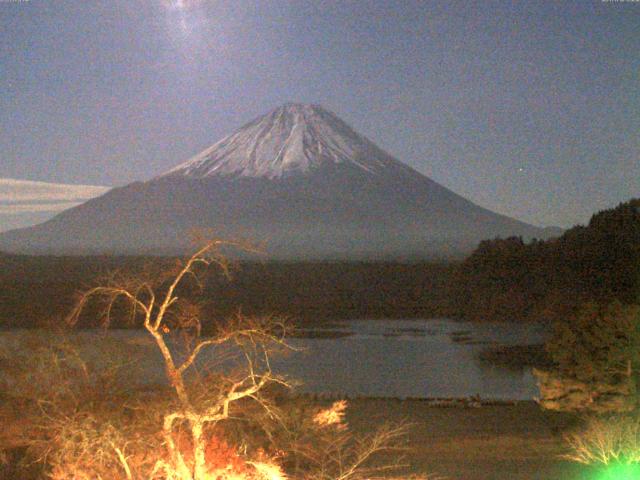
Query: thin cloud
(25, 202)
(16, 191)
(20, 208)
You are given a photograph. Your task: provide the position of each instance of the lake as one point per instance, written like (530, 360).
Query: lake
(412, 358)
(431, 358)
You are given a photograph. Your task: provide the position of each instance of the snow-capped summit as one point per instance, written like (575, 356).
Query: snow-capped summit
(292, 139)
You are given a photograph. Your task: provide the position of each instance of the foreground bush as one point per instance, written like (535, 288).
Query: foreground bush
(605, 441)
(597, 343)
(595, 353)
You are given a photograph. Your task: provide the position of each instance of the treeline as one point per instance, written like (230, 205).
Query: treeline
(37, 290)
(502, 280)
(508, 279)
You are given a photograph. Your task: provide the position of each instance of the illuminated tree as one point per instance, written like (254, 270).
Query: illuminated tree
(164, 314)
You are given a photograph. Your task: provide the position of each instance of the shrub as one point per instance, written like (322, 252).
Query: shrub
(597, 343)
(605, 441)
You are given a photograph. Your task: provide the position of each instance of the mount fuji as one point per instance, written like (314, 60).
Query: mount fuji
(298, 178)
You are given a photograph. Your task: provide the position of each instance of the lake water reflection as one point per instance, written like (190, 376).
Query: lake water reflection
(433, 358)
(411, 358)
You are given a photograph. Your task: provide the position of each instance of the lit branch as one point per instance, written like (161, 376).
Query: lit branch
(142, 297)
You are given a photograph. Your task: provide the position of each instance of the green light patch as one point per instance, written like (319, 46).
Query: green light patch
(620, 472)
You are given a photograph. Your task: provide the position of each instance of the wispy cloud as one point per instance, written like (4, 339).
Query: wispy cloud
(25, 202)
(19, 208)
(15, 191)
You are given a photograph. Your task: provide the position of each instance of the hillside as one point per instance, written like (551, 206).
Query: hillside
(511, 279)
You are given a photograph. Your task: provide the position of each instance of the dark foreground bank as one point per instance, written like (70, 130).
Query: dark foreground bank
(511, 442)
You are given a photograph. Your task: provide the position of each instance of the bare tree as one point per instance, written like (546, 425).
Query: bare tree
(164, 312)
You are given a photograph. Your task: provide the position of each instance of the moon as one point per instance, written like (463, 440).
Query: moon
(181, 13)
(181, 5)
(188, 23)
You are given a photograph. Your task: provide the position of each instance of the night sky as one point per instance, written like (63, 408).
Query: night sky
(531, 109)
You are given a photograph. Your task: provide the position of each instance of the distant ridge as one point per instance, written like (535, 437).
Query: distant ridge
(297, 177)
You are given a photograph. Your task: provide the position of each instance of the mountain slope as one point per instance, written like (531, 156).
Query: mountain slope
(298, 178)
